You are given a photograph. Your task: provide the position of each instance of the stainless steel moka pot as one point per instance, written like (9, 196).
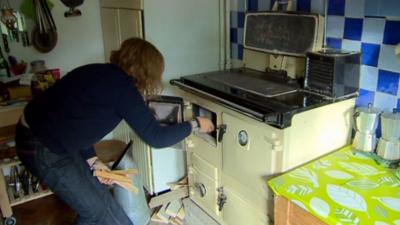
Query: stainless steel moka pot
(389, 143)
(365, 123)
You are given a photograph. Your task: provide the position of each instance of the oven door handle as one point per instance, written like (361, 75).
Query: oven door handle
(221, 131)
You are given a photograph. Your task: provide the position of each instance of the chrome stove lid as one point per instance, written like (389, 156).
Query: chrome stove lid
(252, 84)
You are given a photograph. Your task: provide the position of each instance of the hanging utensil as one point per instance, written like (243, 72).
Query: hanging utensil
(44, 35)
(4, 35)
(72, 4)
(7, 15)
(25, 36)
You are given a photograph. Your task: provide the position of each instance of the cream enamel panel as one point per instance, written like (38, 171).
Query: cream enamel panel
(263, 202)
(109, 22)
(328, 127)
(128, 4)
(205, 150)
(119, 25)
(201, 165)
(209, 200)
(237, 211)
(130, 23)
(253, 163)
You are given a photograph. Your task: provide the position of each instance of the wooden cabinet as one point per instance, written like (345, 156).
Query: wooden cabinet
(288, 213)
(9, 117)
(120, 20)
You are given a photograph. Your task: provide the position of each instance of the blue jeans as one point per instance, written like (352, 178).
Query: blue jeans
(70, 178)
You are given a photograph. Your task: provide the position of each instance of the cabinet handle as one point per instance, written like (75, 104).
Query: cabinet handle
(201, 189)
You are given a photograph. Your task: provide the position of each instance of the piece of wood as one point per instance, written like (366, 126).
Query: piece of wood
(173, 208)
(179, 184)
(168, 197)
(162, 214)
(281, 211)
(288, 213)
(175, 221)
(125, 172)
(4, 200)
(157, 219)
(181, 214)
(128, 186)
(114, 177)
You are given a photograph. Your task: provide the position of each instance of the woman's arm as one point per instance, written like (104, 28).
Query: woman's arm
(136, 113)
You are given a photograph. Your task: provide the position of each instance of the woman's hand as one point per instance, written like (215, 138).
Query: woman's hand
(97, 164)
(206, 125)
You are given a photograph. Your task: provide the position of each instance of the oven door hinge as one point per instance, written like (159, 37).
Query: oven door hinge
(221, 198)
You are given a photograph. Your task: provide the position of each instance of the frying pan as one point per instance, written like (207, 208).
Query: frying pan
(44, 41)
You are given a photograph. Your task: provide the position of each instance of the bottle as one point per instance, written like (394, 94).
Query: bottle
(4, 68)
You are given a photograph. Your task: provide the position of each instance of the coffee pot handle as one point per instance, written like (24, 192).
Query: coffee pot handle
(355, 115)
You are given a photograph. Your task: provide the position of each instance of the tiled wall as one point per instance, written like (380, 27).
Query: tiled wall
(347, 28)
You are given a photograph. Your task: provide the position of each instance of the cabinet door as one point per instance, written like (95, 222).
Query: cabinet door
(237, 211)
(130, 23)
(248, 155)
(119, 25)
(109, 22)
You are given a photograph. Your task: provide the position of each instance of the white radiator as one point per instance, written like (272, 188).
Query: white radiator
(157, 167)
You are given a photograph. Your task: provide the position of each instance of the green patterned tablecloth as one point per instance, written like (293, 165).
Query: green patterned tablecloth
(343, 188)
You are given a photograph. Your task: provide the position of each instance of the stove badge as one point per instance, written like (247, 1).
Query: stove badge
(243, 138)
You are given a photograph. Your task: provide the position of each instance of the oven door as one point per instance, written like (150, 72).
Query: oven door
(250, 150)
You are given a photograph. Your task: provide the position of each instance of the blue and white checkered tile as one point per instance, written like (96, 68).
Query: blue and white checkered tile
(388, 59)
(385, 102)
(366, 97)
(234, 19)
(369, 78)
(234, 51)
(354, 8)
(334, 42)
(388, 82)
(336, 7)
(351, 45)
(391, 35)
(335, 26)
(353, 28)
(259, 5)
(238, 5)
(318, 6)
(373, 30)
(370, 54)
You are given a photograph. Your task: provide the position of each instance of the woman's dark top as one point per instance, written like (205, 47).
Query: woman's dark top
(87, 103)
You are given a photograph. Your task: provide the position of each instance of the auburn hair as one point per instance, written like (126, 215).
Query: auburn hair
(142, 61)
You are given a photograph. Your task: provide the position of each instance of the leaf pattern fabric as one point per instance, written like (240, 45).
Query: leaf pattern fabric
(343, 188)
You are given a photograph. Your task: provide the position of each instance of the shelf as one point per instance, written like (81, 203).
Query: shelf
(4, 163)
(25, 198)
(7, 134)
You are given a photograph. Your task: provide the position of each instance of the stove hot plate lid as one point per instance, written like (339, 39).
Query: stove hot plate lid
(254, 85)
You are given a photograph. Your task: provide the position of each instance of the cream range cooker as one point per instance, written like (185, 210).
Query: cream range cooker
(266, 123)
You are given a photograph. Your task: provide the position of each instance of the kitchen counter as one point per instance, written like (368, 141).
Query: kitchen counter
(343, 187)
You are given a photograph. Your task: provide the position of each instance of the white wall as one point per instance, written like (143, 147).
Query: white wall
(80, 38)
(186, 32)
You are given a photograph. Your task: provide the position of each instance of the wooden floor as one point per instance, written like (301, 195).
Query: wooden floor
(44, 211)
